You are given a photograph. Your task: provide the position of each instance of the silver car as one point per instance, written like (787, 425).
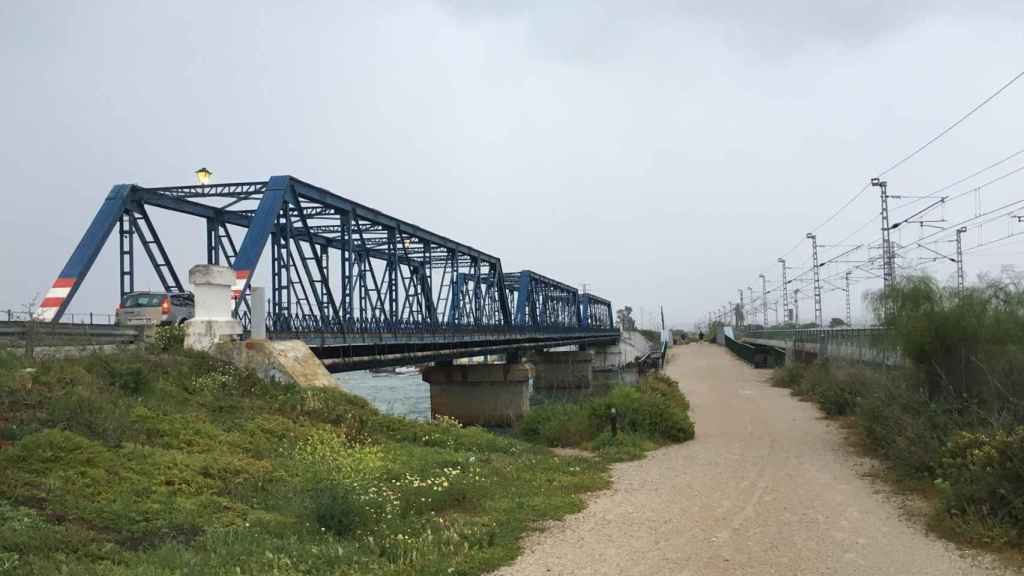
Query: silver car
(156, 308)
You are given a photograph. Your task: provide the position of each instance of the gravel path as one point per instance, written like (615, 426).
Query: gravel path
(768, 487)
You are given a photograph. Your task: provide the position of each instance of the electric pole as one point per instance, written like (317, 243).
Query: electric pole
(888, 261)
(764, 300)
(817, 279)
(960, 260)
(785, 292)
(849, 321)
(750, 299)
(740, 314)
(796, 306)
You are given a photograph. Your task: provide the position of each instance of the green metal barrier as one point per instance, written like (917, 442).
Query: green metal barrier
(757, 355)
(857, 344)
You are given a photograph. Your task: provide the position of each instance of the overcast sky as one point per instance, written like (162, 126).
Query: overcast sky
(661, 152)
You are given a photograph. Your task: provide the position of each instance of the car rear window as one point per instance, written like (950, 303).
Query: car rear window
(143, 300)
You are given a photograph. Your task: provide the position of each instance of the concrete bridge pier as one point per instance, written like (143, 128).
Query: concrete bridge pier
(561, 370)
(480, 394)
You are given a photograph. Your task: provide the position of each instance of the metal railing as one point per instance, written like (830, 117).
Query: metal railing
(28, 336)
(741, 349)
(816, 334)
(871, 345)
(315, 325)
(90, 318)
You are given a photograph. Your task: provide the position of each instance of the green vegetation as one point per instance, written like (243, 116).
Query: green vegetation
(652, 414)
(165, 462)
(953, 418)
(653, 338)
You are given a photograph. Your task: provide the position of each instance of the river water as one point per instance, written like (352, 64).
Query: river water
(409, 396)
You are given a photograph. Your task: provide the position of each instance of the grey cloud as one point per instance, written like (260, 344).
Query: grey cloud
(589, 30)
(662, 153)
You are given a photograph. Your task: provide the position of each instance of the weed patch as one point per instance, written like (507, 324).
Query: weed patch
(164, 461)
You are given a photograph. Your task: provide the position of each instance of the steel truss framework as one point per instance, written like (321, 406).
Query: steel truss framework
(337, 267)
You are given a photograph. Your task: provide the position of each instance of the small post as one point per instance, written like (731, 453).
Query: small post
(258, 322)
(614, 420)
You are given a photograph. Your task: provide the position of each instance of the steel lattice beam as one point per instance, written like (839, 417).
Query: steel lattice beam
(389, 275)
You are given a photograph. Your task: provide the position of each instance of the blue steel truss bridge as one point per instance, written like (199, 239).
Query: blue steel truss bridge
(362, 288)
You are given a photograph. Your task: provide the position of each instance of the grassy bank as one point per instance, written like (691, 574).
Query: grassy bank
(167, 462)
(951, 422)
(652, 414)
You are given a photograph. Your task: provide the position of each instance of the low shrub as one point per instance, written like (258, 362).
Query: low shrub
(559, 424)
(621, 447)
(654, 411)
(338, 508)
(789, 375)
(837, 388)
(169, 338)
(647, 413)
(978, 469)
(981, 479)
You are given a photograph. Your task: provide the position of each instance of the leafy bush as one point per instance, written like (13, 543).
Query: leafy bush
(647, 414)
(559, 424)
(654, 411)
(967, 347)
(981, 478)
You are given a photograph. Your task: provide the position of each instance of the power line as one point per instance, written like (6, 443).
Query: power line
(972, 218)
(964, 179)
(921, 148)
(949, 128)
(843, 207)
(947, 187)
(917, 151)
(910, 156)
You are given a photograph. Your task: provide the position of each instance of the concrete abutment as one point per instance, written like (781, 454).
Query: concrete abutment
(556, 370)
(480, 394)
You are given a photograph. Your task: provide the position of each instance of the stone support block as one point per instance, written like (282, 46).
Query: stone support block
(562, 369)
(479, 394)
(212, 323)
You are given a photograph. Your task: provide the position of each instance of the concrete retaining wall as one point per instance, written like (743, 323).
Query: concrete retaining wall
(631, 345)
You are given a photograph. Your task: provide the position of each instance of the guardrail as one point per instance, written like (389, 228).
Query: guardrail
(743, 350)
(757, 355)
(100, 319)
(869, 345)
(32, 335)
(815, 334)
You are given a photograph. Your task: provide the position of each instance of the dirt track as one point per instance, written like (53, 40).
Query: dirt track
(768, 487)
